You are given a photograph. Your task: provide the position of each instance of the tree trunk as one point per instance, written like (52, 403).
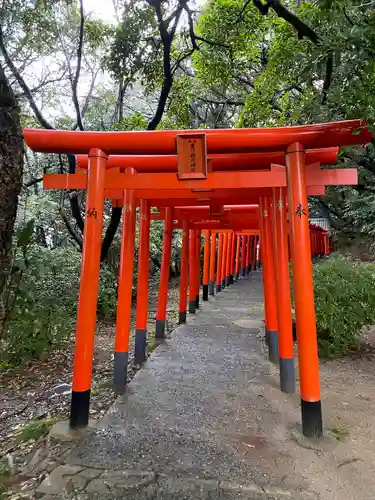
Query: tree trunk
(11, 168)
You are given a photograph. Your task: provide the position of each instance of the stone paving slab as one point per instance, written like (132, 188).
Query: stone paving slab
(193, 424)
(87, 484)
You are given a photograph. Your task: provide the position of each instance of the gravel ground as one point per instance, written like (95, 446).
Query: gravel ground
(40, 392)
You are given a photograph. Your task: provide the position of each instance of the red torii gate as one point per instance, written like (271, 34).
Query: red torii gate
(289, 145)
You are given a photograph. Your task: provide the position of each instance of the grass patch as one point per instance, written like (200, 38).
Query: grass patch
(5, 474)
(152, 344)
(339, 432)
(34, 430)
(4, 471)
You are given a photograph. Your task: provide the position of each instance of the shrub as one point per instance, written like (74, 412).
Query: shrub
(41, 301)
(107, 296)
(344, 302)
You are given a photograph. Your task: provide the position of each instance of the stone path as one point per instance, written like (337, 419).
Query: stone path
(199, 420)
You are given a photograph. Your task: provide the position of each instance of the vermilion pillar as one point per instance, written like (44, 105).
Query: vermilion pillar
(211, 289)
(192, 271)
(238, 245)
(227, 262)
(140, 345)
(232, 259)
(164, 274)
(224, 259)
(269, 278)
(124, 301)
(198, 234)
(243, 256)
(184, 273)
(219, 262)
(206, 263)
(259, 246)
(303, 292)
(284, 306)
(88, 291)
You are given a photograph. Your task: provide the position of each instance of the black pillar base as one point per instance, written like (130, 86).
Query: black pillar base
(140, 346)
(231, 279)
(79, 409)
(223, 283)
(273, 346)
(218, 288)
(160, 329)
(211, 288)
(287, 379)
(197, 301)
(312, 423)
(227, 281)
(237, 276)
(181, 318)
(192, 306)
(120, 371)
(205, 292)
(242, 271)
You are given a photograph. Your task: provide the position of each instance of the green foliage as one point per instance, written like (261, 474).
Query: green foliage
(132, 46)
(4, 471)
(42, 298)
(41, 303)
(135, 121)
(344, 302)
(34, 430)
(339, 432)
(107, 297)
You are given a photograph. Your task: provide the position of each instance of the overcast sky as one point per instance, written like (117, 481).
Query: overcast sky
(99, 9)
(103, 9)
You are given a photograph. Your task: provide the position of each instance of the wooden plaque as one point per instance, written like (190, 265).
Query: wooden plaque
(216, 210)
(192, 156)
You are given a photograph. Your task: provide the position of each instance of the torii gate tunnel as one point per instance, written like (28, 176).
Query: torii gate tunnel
(247, 190)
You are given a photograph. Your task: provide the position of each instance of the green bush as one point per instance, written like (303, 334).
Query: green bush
(107, 296)
(42, 301)
(344, 303)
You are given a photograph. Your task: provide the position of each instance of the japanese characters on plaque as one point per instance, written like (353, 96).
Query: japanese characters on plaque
(192, 156)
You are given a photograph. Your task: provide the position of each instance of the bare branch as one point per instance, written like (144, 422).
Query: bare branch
(77, 238)
(41, 85)
(328, 77)
(43, 122)
(229, 102)
(78, 69)
(167, 39)
(88, 98)
(302, 28)
(32, 182)
(240, 15)
(213, 43)
(110, 232)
